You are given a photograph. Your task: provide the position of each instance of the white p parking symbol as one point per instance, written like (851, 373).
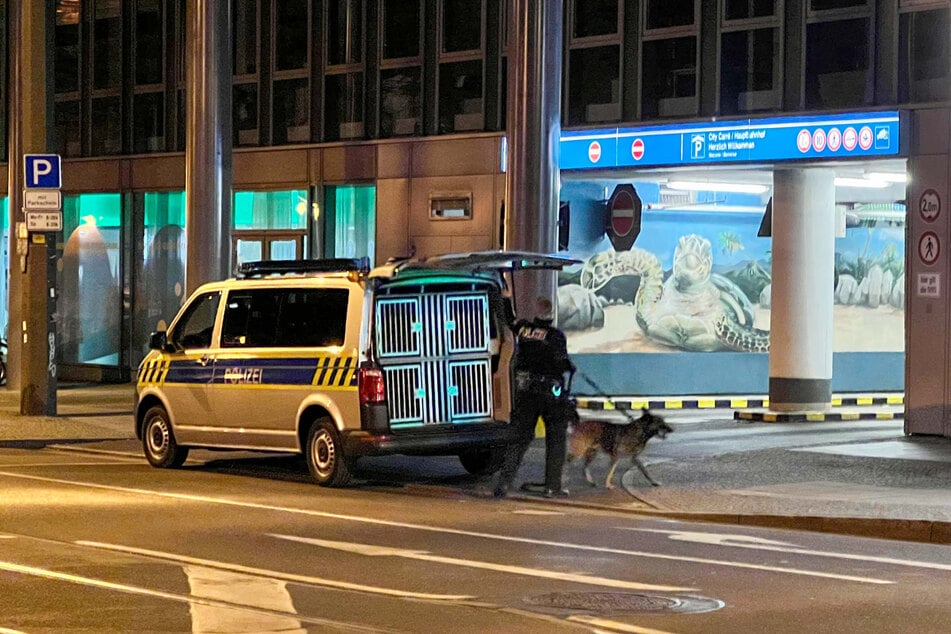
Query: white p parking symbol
(41, 167)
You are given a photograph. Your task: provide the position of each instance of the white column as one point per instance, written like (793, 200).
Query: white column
(800, 339)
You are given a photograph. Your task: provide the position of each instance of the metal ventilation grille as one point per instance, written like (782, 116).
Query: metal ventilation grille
(434, 352)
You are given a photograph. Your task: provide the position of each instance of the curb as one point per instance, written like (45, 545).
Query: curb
(600, 403)
(815, 417)
(925, 531)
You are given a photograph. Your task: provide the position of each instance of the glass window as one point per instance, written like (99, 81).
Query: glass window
(744, 9)
(669, 86)
(105, 135)
(148, 122)
(293, 318)
(343, 116)
(595, 79)
(827, 5)
(460, 97)
(748, 64)
(291, 111)
(344, 32)
(160, 274)
(107, 43)
(351, 224)
(399, 102)
(663, 14)
(290, 45)
(68, 132)
(244, 105)
(594, 17)
(244, 32)
(149, 42)
(270, 210)
(90, 297)
(461, 25)
(66, 63)
(924, 56)
(837, 61)
(5, 262)
(197, 325)
(400, 28)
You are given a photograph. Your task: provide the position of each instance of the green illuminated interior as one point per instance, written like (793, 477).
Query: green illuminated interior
(271, 210)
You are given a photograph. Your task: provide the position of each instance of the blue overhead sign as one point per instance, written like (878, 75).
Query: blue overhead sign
(42, 171)
(856, 135)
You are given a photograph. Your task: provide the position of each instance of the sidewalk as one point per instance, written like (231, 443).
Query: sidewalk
(856, 477)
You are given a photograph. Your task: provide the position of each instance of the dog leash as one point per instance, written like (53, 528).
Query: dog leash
(625, 411)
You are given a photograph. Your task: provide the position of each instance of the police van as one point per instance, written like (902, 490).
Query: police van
(332, 360)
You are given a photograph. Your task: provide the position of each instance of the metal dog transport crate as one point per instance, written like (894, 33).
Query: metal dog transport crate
(434, 350)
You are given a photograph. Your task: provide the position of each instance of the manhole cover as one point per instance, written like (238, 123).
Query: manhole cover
(623, 602)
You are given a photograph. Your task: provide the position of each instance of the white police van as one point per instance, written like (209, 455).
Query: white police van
(331, 360)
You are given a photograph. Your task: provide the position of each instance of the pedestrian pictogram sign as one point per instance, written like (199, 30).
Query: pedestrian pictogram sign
(929, 205)
(835, 139)
(929, 247)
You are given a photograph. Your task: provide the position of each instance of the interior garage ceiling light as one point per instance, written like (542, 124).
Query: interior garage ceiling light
(889, 177)
(699, 186)
(843, 181)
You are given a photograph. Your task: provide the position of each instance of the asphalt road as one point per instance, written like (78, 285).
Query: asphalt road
(106, 543)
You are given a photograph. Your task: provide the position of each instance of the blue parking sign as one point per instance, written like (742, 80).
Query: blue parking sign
(42, 171)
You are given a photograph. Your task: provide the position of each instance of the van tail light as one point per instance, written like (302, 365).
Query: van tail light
(370, 381)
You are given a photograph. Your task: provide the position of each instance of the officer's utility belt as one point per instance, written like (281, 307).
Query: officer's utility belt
(539, 383)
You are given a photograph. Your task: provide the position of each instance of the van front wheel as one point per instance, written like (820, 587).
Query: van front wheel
(158, 440)
(325, 456)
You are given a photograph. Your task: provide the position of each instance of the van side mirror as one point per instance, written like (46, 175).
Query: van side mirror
(157, 340)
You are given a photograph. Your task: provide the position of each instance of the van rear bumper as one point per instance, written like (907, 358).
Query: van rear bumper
(441, 440)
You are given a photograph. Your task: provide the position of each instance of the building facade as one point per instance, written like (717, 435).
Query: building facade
(376, 127)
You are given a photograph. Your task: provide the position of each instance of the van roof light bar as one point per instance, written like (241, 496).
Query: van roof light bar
(303, 267)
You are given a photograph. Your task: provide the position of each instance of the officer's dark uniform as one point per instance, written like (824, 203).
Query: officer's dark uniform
(540, 363)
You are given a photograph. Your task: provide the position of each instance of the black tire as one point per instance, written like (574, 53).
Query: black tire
(481, 462)
(325, 455)
(158, 441)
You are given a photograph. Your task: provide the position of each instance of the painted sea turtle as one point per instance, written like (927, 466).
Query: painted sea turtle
(694, 309)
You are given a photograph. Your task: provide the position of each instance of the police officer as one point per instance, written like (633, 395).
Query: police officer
(539, 364)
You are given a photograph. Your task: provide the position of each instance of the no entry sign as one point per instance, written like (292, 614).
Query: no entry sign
(624, 217)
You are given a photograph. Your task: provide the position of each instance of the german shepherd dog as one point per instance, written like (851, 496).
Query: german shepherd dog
(617, 440)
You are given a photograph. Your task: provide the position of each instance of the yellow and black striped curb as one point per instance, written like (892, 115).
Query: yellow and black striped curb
(600, 403)
(815, 417)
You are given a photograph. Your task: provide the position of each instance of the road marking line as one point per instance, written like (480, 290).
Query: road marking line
(437, 529)
(755, 543)
(535, 512)
(70, 464)
(385, 551)
(170, 596)
(284, 576)
(95, 451)
(614, 626)
(4, 630)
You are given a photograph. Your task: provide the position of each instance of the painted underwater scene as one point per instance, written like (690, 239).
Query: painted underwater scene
(701, 282)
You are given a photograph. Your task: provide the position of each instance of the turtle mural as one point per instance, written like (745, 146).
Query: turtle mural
(694, 309)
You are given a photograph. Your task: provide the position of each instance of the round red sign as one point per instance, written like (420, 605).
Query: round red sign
(804, 140)
(819, 140)
(637, 149)
(622, 214)
(865, 137)
(849, 138)
(594, 152)
(835, 139)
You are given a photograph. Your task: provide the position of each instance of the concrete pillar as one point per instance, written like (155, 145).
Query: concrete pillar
(208, 175)
(31, 363)
(800, 357)
(927, 297)
(534, 128)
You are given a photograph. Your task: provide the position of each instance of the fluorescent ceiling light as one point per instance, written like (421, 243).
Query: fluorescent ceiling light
(842, 181)
(889, 177)
(739, 188)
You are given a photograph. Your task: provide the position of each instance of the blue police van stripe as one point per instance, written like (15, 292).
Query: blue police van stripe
(320, 371)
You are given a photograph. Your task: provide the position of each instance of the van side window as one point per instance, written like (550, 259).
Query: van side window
(313, 317)
(251, 318)
(197, 324)
(285, 318)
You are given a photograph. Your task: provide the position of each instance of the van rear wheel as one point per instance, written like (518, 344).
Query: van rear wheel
(481, 462)
(325, 455)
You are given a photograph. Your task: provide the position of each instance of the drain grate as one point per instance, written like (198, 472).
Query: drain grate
(623, 602)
